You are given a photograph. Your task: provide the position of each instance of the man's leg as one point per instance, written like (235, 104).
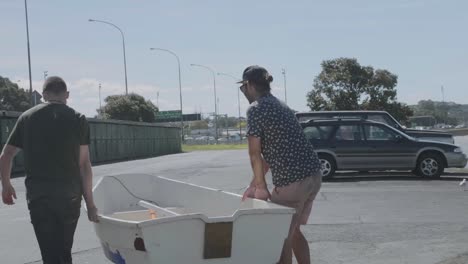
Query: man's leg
(286, 253)
(44, 222)
(300, 247)
(299, 242)
(70, 213)
(286, 196)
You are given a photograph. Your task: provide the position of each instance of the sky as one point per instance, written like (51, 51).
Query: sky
(424, 42)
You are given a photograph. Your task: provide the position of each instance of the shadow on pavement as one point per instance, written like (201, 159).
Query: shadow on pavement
(392, 176)
(460, 259)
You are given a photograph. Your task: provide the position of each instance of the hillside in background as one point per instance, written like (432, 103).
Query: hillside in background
(448, 113)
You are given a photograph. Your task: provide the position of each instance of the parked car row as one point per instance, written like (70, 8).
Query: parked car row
(378, 116)
(359, 144)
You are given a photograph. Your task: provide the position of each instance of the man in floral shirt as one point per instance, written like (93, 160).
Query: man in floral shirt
(276, 141)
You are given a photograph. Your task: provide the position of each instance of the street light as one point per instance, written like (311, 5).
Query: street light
(123, 45)
(283, 71)
(215, 98)
(29, 52)
(238, 101)
(157, 99)
(180, 88)
(100, 105)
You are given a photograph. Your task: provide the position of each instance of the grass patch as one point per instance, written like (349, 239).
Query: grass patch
(189, 148)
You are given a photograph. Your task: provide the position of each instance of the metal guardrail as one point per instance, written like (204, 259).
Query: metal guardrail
(194, 142)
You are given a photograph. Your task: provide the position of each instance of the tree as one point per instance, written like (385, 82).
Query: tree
(343, 84)
(131, 107)
(226, 121)
(201, 124)
(13, 98)
(443, 112)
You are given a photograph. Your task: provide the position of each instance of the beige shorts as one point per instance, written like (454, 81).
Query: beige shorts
(300, 196)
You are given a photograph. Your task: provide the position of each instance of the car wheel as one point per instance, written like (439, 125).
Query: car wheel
(430, 165)
(328, 166)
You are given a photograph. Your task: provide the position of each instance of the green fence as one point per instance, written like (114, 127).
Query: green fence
(113, 140)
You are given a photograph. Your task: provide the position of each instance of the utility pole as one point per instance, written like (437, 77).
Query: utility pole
(283, 71)
(100, 105)
(29, 52)
(443, 93)
(217, 116)
(443, 105)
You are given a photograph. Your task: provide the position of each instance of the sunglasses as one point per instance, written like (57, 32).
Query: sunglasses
(243, 86)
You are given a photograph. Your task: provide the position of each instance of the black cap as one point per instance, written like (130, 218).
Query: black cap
(256, 74)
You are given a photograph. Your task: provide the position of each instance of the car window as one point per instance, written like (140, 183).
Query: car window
(318, 132)
(374, 132)
(352, 132)
(384, 119)
(377, 118)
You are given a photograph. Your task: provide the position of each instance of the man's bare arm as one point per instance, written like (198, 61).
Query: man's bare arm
(256, 161)
(6, 160)
(87, 182)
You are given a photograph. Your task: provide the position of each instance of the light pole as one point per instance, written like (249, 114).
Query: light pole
(180, 88)
(221, 126)
(123, 45)
(157, 99)
(45, 75)
(215, 98)
(100, 105)
(238, 102)
(283, 71)
(29, 52)
(444, 109)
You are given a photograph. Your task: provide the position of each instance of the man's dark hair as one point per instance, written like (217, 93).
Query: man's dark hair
(55, 85)
(262, 87)
(258, 76)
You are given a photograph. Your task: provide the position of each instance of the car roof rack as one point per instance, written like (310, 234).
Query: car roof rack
(335, 119)
(311, 113)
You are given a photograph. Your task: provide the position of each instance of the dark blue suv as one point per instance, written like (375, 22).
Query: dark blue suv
(364, 145)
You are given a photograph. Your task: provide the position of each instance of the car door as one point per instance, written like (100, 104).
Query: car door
(388, 148)
(347, 143)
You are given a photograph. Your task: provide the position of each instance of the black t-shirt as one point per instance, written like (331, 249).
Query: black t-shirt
(50, 136)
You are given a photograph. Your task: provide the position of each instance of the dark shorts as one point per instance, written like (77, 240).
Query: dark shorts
(54, 221)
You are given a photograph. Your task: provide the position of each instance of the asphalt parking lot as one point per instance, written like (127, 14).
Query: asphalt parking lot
(391, 217)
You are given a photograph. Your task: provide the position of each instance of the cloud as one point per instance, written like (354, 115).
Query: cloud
(164, 105)
(23, 82)
(84, 95)
(277, 88)
(203, 88)
(87, 86)
(411, 3)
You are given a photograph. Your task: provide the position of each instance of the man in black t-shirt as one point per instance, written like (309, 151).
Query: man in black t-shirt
(55, 141)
